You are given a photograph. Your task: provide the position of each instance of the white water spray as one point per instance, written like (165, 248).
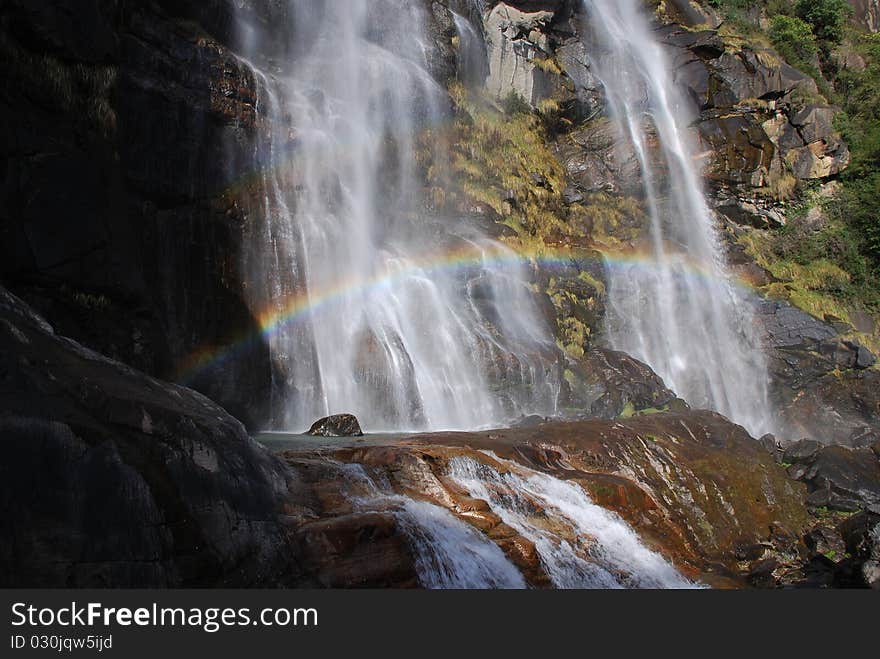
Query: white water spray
(448, 553)
(385, 323)
(680, 312)
(581, 545)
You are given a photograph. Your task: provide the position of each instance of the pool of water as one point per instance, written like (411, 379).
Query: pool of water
(285, 441)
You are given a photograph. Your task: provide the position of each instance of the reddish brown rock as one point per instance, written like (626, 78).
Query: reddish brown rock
(694, 486)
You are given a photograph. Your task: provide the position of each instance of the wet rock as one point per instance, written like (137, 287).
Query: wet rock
(595, 160)
(802, 452)
(575, 62)
(865, 358)
(531, 421)
(694, 486)
(774, 447)
(338, 425)
(359, 550)
(607, 384)
(747, 212)
(827, 542)
(761, 573)
(818, 381)
(787, 326)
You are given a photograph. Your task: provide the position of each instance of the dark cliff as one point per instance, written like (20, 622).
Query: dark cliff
(126, 129)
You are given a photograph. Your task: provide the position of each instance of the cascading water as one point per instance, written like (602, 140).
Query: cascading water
(448, 553)
(473, 63)
(678, 310)
(377, 308)
(581, 545)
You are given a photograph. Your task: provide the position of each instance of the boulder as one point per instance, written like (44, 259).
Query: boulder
(338, 425)
(111, 478)
(827, 542)
(861, 533)
(802, 452)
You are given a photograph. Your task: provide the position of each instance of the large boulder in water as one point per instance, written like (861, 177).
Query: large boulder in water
(338, 425)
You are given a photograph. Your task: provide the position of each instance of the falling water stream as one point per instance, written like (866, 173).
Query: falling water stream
(677, 310)
(447, 552)
(580, 544)
(387, 311)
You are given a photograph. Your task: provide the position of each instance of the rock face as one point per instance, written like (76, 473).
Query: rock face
(752, 115)
(516, 44)
(866, 14)
(839, 478)
(128, 194)
(759, 119)
(113, 479)
(127, 138)
(822, 384)
(607, 384)
(338, 425)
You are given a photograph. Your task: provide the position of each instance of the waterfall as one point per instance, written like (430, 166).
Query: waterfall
(372, 303)
(473, 62)
(581, 545)
(677, 310)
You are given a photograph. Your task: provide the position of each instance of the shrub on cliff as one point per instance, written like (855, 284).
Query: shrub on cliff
(826, 17)
(794, 39)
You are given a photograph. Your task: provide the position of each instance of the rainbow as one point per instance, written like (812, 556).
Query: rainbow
(300, 307)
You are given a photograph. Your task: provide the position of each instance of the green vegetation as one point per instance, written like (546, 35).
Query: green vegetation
(830, 266)
(628, 412)
(502, 159)
(859, 96)
(795, 41)
(827, 18)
